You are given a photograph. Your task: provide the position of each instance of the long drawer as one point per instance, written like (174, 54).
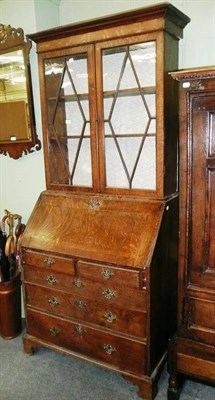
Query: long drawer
(133, 299)
(123, 353)
(130, 322)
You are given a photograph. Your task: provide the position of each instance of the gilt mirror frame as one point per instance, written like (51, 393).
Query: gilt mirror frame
(26, 141)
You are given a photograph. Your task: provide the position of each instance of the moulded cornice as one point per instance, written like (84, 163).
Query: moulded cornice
(194, 73)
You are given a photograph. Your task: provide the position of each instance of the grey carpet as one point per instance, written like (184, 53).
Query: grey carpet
(48, 375)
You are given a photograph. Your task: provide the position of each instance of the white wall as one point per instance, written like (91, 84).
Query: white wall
(198, 45)
(21, 181)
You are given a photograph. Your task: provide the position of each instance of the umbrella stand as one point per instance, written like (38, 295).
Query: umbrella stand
(10, 308)
(10, 277)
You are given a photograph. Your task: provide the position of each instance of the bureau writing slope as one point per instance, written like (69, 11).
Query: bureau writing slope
(99, 253)
(192, 349)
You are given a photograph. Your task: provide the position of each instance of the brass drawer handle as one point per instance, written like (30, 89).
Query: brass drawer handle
(54, 301)
(108, 348)
(78, 283)
(94, 203)
(107, 273)
(48, 261)
(79, 329)
(80, 303)
(51, 280)
(108, 293)
(54, 331)
(109, 316)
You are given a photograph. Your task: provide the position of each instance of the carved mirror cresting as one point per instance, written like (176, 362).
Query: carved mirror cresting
(17, 123)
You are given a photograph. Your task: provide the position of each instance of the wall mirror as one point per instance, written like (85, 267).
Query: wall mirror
(17, 123)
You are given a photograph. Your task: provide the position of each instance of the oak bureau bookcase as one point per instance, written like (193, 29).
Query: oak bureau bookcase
(99, 253)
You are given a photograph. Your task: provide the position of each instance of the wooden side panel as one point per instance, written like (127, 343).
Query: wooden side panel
(171, 123)
(163, 284)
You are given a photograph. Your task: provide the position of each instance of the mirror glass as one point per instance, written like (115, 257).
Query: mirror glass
(14, 114)
(17, 127)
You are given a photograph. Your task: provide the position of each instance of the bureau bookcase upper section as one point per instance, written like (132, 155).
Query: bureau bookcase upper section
(109, 107)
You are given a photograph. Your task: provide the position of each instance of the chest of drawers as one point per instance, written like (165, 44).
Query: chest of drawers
(101, 298)
(99, 293)
(87, 316)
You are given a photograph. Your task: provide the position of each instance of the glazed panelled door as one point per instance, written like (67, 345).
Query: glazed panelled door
(201, 253)
(105, 109)
(127, 104)
(71, 118)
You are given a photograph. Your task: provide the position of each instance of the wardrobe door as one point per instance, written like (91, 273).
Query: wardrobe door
(201, 254)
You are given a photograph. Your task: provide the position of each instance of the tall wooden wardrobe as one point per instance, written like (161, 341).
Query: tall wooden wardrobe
(192, 349)
(99, 253)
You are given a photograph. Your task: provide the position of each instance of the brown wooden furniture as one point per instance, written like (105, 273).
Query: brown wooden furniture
(99, 252)
(192, 350)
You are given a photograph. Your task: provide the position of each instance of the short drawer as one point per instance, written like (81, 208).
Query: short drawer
(123, 353)
(112, 275)
(129, 322)
(45, 277)
(54, 263)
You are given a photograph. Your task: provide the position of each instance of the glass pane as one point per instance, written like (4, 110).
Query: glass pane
(110, 73)
(77, 66)
(79, 160)
(126, 116)
(73, 119)
(115, 174)
(145, 175)
(144, 60)
(129, 79)
(67, 90)
(143, 172)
